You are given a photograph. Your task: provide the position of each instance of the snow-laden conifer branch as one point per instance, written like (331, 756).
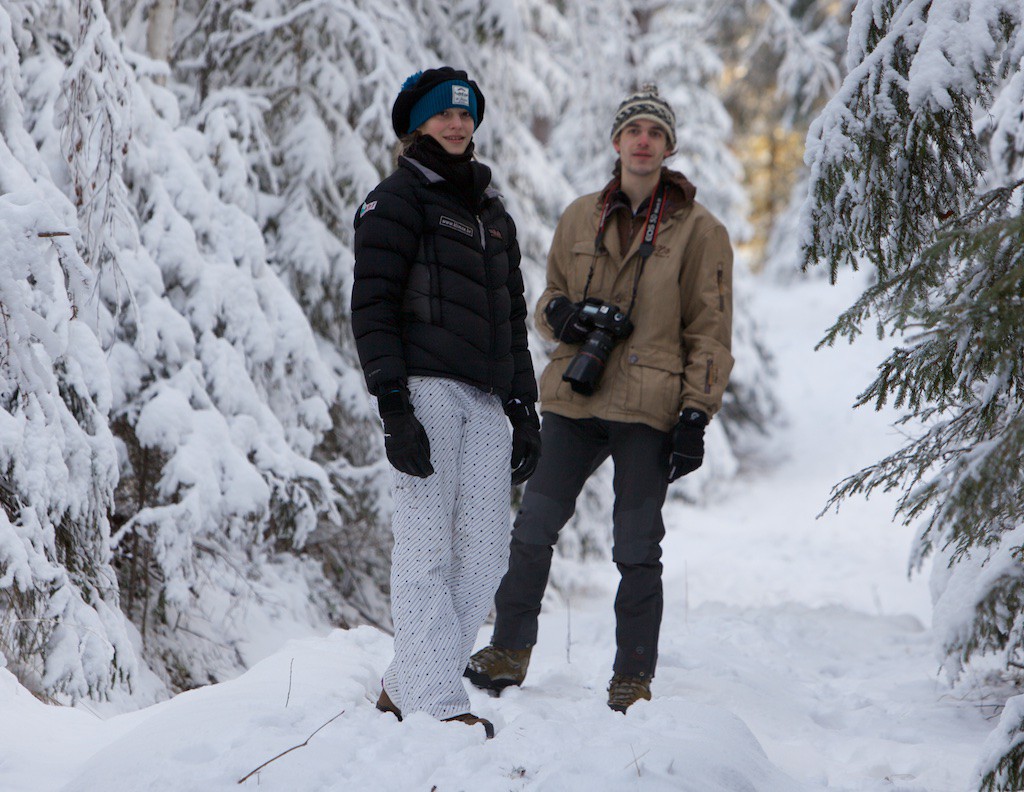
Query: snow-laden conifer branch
(62, 631)
(916, 170)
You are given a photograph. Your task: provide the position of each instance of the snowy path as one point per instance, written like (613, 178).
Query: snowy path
(850, 696)
(795, 656)
(808, 629)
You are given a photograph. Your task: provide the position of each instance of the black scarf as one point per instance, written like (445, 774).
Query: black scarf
(465, 178)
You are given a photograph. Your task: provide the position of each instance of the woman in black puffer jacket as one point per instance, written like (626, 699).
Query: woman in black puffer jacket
(439, 318)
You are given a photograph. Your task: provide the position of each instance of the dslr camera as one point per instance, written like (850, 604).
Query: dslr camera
(609, 325)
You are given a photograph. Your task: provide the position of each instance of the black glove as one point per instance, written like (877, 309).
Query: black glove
(565, 320)
(525, 439)
(687, 443)
(405, 439)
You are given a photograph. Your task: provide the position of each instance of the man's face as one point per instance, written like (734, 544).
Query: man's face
(642, 145)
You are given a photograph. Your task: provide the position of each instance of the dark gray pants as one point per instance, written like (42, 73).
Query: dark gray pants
(572, 451)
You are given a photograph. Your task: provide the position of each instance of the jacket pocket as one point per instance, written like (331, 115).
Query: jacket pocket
(417, 303)
(583, 259)
(655, 379)
(423, 288)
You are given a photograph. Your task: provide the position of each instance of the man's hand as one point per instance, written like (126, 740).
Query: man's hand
(525, 439)
(687, 443)
(565, 320)
(405, 440)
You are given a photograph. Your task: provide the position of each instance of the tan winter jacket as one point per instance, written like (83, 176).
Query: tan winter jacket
(679, 352)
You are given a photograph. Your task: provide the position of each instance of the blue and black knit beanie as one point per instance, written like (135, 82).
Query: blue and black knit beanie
(433, 91)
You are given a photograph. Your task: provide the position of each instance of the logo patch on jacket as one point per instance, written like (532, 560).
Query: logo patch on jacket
(455, 225)
(494, 232)
(367, 207)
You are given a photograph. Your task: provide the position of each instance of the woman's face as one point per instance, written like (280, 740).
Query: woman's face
(452, 128)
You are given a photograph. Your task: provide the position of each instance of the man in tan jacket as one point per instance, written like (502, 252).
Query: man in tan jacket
(639, 299)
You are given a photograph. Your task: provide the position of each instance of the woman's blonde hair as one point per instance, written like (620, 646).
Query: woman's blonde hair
(405, 143)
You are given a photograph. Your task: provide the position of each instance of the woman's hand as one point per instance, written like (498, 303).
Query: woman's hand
(525, 439)
(405, 440)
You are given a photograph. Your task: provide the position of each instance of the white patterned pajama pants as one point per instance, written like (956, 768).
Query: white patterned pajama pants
(452, 534)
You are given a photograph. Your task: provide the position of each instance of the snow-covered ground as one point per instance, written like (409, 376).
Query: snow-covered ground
(795, 655)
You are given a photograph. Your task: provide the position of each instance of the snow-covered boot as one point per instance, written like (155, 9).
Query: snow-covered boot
(494, 668)
(472, 720)
(624, 691)
(385, 704)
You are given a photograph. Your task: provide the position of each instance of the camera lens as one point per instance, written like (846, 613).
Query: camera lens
(585, 369)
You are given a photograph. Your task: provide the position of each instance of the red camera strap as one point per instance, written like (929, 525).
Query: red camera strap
(655, 210)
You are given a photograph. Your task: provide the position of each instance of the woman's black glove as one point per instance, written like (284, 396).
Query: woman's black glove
(566, 323)
(405, 439)
(525, 439)
(687, 444)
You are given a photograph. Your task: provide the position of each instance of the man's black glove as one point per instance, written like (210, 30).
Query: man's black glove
(565, 320)
(405, 439)
(525, 439)
(687, 443)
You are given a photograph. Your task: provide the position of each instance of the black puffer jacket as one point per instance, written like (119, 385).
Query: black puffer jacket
(437, 290)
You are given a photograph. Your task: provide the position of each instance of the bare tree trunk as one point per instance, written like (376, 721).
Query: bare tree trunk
(160, 32)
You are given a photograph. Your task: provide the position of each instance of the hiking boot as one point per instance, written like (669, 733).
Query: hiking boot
(472, 720)
(624, 691)
(494, 668)
(385, 704)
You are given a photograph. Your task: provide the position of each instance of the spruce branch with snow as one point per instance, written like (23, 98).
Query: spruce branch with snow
(61, 628)
(302, 94)
(219, 393)
(916, 171)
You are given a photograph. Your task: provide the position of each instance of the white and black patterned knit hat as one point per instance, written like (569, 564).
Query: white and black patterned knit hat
(645, 103)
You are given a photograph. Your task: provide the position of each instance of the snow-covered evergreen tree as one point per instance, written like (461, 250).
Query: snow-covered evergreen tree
(306, 90)
(61, 629)
(782, 63)
(917, 172)
(218, 392)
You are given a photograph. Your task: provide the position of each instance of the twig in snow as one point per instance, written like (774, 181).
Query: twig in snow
(251, 773)
(288, 698)
(636, 759)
